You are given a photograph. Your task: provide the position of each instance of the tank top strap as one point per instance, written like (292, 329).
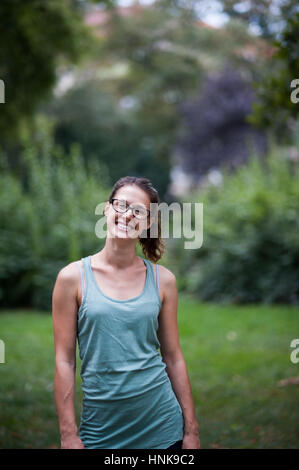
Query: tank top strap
(81, 275)
(85, 277)
(157, 275)
(153, 284)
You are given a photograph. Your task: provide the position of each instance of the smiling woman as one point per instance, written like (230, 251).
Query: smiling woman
(136, 214)
(122, 311)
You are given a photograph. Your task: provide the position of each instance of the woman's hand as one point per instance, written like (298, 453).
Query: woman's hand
(191, 441)
(72, 442)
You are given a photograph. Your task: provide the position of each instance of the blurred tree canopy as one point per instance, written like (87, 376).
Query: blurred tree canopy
(124, 108)
(91, 116)
(266, 17)
(274, 108)
(127, 114)
(278, 22)
(36, 37)
(214, 130)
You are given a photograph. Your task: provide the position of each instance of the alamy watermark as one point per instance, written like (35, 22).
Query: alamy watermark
(295, 93)
(2, 351)
(2, 92)
(182, 223)
(295, 354)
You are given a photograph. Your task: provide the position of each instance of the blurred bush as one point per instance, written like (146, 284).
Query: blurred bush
(47, 218)
(250, 250)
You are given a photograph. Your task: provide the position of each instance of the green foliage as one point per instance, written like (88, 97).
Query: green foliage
(266, 17)
(162, 54)
(274, 107)
(36, 37)
(47, 219)
(250, 250)
(91, 116)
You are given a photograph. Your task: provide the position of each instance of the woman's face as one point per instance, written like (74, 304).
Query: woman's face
(125, 225)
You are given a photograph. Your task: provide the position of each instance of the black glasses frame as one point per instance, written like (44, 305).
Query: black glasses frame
(128, 207)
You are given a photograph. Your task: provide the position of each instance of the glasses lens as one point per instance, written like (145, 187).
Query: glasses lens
(120, 206)
(140, 212)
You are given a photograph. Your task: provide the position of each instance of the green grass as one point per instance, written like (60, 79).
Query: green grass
(234, 376)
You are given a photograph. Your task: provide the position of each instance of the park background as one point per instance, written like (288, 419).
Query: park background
(199, 97)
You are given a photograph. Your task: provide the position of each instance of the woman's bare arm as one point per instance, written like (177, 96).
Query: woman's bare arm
(173, 357)
(64, 315)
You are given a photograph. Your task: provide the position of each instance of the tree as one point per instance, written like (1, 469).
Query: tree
(274, 108)
(36, 36)
(164, 52)
(266, 17)
(214, 129)
(91, 116)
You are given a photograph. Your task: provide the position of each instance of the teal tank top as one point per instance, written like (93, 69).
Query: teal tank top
(128, 400)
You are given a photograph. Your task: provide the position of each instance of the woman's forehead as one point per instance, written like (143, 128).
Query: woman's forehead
(132, 195)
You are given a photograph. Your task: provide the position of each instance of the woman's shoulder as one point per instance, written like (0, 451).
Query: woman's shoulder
(166, 275)
(70, 272)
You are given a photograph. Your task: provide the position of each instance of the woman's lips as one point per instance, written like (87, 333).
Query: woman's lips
(126, 228)
(122, 227)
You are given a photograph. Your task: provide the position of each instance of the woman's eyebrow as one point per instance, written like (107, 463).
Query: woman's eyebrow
(134, 203)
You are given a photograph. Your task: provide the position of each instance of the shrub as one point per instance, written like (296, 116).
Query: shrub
(250, 250)
(47, 219)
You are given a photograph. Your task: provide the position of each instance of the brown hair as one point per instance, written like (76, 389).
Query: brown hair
(152, 248)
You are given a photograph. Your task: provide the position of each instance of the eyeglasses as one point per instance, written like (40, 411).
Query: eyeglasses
(121, 206)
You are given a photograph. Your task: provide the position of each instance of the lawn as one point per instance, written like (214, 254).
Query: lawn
(236, 357)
